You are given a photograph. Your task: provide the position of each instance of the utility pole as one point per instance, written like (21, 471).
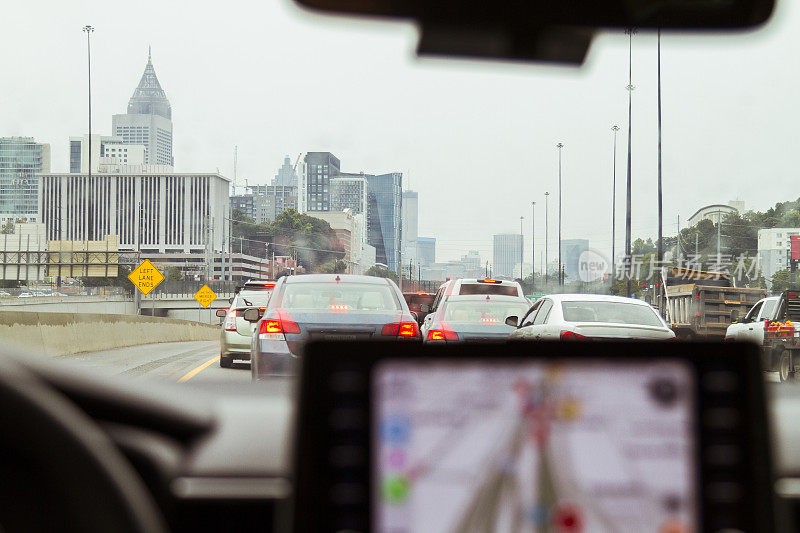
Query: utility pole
(521, 249)
(533, 246)
(660, 248)
(560, 272)
(719, 238)
(615, 129)
(546, 234)
(630, 88)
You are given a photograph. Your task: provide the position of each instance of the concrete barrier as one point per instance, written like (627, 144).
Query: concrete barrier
(69, 333)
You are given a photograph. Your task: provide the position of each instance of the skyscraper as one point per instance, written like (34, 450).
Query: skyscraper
(286, 174)
(319, 168)
(148, 120)
(507, 253)
(384, 226)
(572, 250)
(22, 161)
(349, 191)
(410, 226)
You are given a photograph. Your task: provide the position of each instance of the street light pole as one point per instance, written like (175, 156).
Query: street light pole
(615, 129)
(546, 233)
(533, 245)
(630, 88)
(660, 248)
(560, 271)
(89, 29)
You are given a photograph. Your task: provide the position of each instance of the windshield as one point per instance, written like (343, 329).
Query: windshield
(610, 312)
(252, 299)
(485, 313)
(488, 288)
(339, 297)
(144, 179)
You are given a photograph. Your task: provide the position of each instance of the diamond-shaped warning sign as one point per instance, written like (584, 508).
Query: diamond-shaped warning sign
(205, 296)
(146, 277)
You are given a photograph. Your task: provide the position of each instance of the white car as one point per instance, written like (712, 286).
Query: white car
(25, 295)
(590, 316)
(751, 327)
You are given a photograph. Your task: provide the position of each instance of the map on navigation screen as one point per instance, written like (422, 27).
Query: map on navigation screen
(533, 446)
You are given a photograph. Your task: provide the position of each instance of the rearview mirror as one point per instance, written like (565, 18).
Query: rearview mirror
(512, 321)
(425, 308)
(734, 315)
(541, 30)
(253, 314)
(221, 313)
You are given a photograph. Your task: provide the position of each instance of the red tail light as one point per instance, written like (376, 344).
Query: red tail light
(442, 333)
(400, 329)
(281, 324)
(230, 320)
(567, 335)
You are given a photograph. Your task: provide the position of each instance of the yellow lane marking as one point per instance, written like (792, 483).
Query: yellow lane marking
(192, 373)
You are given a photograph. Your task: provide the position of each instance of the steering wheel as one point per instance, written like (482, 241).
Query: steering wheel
(91, 486)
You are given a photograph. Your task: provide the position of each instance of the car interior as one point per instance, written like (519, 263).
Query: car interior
(398, 437)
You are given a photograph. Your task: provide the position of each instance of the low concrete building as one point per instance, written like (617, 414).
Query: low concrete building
(715, 212)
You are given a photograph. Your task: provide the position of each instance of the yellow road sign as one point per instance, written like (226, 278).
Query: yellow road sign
(205, 296)
(146, 277)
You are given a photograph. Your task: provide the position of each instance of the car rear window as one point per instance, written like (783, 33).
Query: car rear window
(488, 313)
(610, 312)
(258, 298)
(488, 288)
(329, 296)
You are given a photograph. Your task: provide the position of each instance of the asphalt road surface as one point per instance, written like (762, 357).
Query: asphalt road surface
(184, 362)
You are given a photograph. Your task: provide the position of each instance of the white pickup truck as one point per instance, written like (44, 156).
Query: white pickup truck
(770, 324)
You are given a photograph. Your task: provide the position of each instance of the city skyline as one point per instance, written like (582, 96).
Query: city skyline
(372, 124)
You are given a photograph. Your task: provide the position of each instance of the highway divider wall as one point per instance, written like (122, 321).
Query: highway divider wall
(68, 333)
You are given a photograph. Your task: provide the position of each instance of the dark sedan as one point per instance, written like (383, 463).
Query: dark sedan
(326, 307)
(474, 318)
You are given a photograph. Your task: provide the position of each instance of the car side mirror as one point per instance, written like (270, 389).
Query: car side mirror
(230, 300)
(425, 308)
(512, 321)
(252, 314)
(415, 315)
(734, 315)
(221, 313)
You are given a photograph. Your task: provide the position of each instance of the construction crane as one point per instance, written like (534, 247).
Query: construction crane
(294, 168)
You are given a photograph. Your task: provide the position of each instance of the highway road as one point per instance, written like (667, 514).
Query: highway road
(185, 362)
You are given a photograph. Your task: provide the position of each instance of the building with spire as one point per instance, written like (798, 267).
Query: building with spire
(148, 121)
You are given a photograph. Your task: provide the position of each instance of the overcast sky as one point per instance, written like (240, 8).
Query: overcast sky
(476, 139)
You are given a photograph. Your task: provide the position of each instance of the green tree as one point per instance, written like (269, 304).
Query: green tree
(781, 280)
(380, 272)
(641, 247)
(8, 228)
(173, 274)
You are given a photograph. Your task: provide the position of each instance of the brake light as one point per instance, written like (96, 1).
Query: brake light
(567, 335)
(340, 308)
(281, 324)
(443, 333)
(230, 320)
(487, 280)
(271, 326)
(488, 321)
(400, 329)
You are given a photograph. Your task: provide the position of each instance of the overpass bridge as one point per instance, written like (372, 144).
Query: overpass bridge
(173, 300)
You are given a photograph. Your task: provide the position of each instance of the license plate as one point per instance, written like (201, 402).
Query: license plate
(340, 337)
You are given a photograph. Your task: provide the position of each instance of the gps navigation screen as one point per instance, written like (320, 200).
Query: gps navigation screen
(533, 446)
